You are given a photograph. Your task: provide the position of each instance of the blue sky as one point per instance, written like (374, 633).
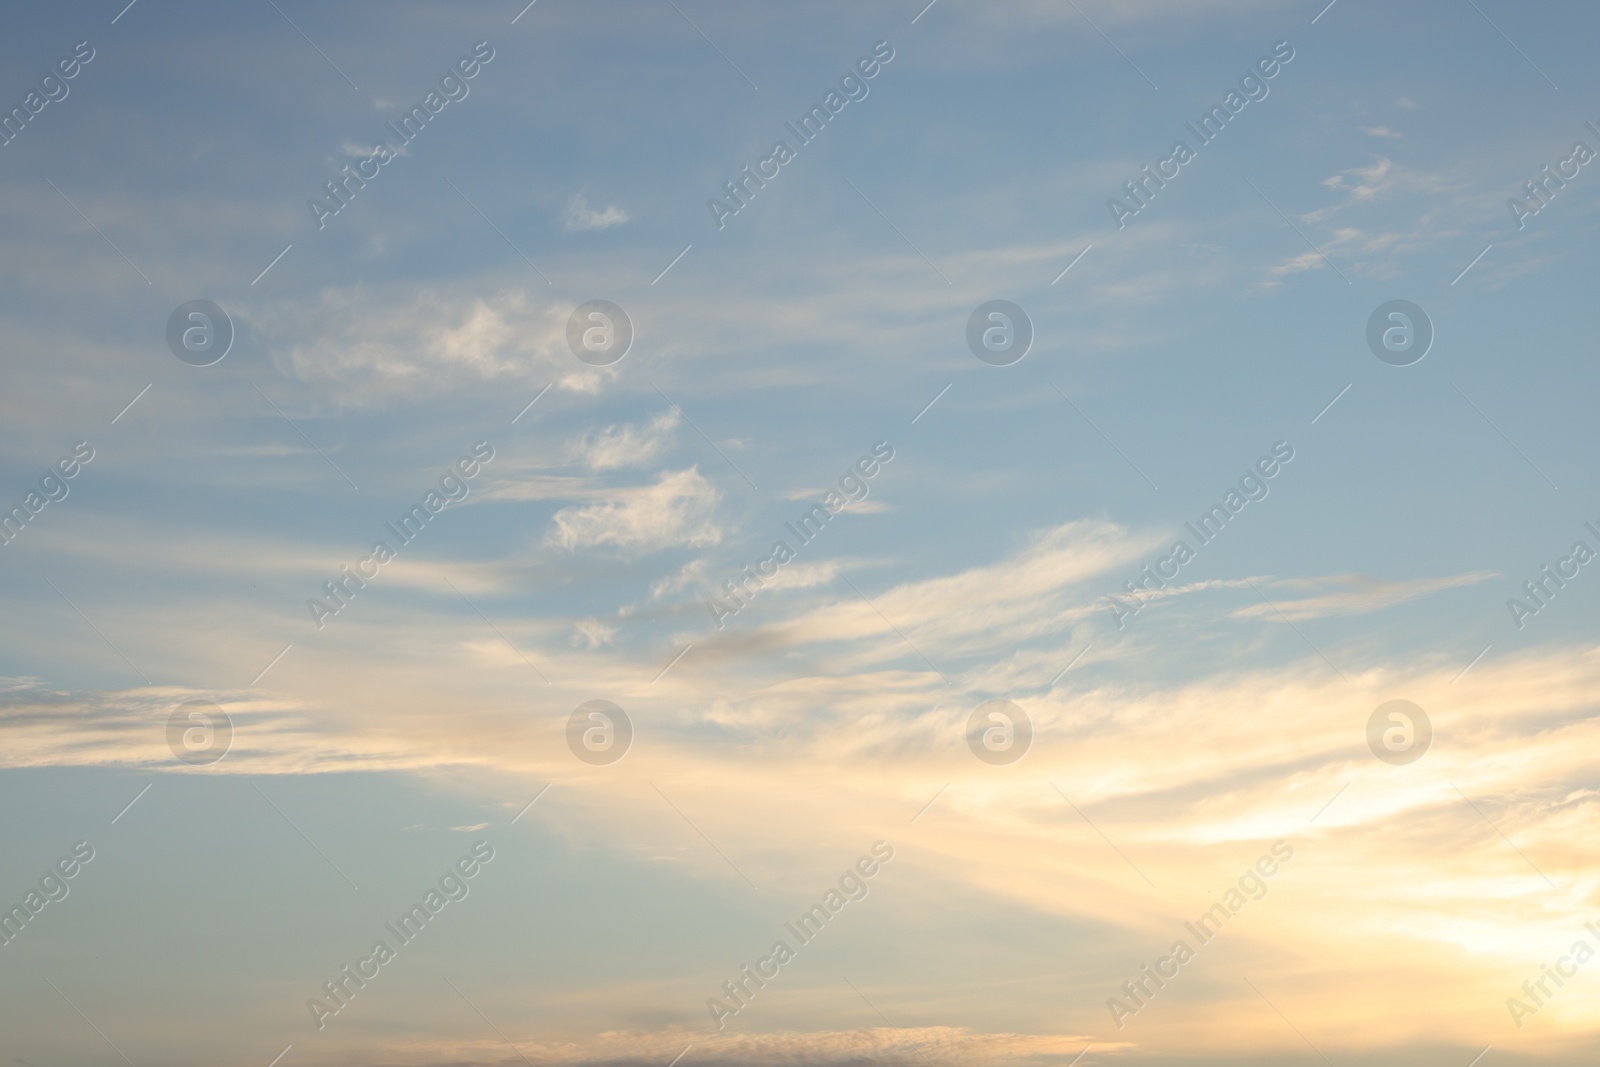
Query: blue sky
(373, 353)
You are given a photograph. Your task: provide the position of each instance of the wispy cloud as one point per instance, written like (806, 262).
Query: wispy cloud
(881, 1046)
(369, 346)
(628, 445)
(593, 633)
(1390, 211)
(1355, 594)
(580, 216)
(678, 510)
(1037, 590)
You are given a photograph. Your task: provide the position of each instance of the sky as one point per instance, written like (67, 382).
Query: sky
(1226, 586)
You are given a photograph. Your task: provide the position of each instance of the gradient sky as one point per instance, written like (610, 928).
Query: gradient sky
(1169, 753)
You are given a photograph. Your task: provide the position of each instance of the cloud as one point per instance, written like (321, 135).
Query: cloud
(806, 575)
(1381, 178)
(914, 1046)
(865, 506)
(1248, 754)
(1036, 591)
(594, 633)
(677, 511)
(1295, 264)
(627, 445)
(1402, 210)
(1514, 736)
(580, 216)
(1361, 183)
(377, 344)
(1381, 131)
(1360, 596)
(362, 151)
(691, 573)
(272, 734)
(470, 829)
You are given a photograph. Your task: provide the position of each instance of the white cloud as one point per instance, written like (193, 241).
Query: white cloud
(593, 633)
(691, 573)
(1401, 209)
(1383, 177)
(1035, 591)
(580, 216)
(1359, 596)
(1295, 264)
(1381, 131)
(376, 343)
(1362, 183)
(805, 575)
(678, 510)
(362, 151)
(628, 445)
(864, 506)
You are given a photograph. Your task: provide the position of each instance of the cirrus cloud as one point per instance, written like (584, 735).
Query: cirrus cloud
(678, 510)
